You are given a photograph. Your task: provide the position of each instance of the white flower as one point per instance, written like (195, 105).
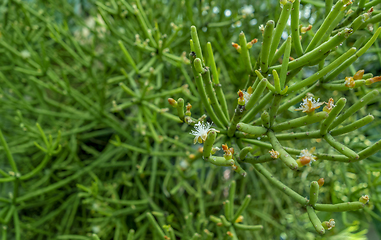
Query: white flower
(25, 54)
(330, 224)
(309, 105)
(274, 154)
(247, 9)
(201, 132)
(246, 96)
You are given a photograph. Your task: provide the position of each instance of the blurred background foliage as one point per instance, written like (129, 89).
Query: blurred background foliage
(63, 65)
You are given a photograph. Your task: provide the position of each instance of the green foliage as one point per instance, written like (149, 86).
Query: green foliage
(91, 149)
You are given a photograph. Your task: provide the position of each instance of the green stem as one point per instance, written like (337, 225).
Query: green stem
(274, 108)
(295, 28)
(204, 98)
(282, 187)
(247, 128)
(315, 220)
(216, 81)
(318, 52)
(242, 208)
(231, 200)
(332, 115)
(196, 44)
(286, 59)
(324, 27)
(8, 153)
(319, 74)
(283, 155)
(212, 96)
(208, 144)
(314, 193)
(353, 126)
(281, 24)
(266, 44)
(341, 148)
(339, 207)
(354, 108)
(245, 56)
(301, 121)
(352, 59)
(261, 104)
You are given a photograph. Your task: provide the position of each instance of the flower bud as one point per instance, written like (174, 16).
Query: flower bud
(274, 154)
(188, 107)
(251, 43)
(328, 108)
(173, 102)
(236, 46)
(364, 199)
(228, 154)
(372, 80)
(349, 82)
(239, 219)
(358, 75)
(305, 29)
(329, 224)
(321, 182)
(214, 150)
(241, 99)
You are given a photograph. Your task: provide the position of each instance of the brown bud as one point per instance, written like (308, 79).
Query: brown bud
(358, 75)
(321, 182)
(173, 102)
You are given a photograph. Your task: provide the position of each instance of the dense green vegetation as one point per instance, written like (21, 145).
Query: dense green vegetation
(91, 148)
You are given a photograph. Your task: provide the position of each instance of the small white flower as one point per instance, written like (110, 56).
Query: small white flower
(25, 54)
(95, 229)
(201, 132)
(247, 10)
(309, 105)
(184, 164)
(274, 154)
(246, 96)
(331, 224)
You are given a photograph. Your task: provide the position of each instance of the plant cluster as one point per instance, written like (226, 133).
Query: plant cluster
(91, 150)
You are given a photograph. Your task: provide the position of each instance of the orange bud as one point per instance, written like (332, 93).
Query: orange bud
(358, 75)
(349, 82)
(250, 44)
(321, 182)
(173, 102)
(305, 29)
(225, 147)
(236, 46)
(373, 80)
(305, 160)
